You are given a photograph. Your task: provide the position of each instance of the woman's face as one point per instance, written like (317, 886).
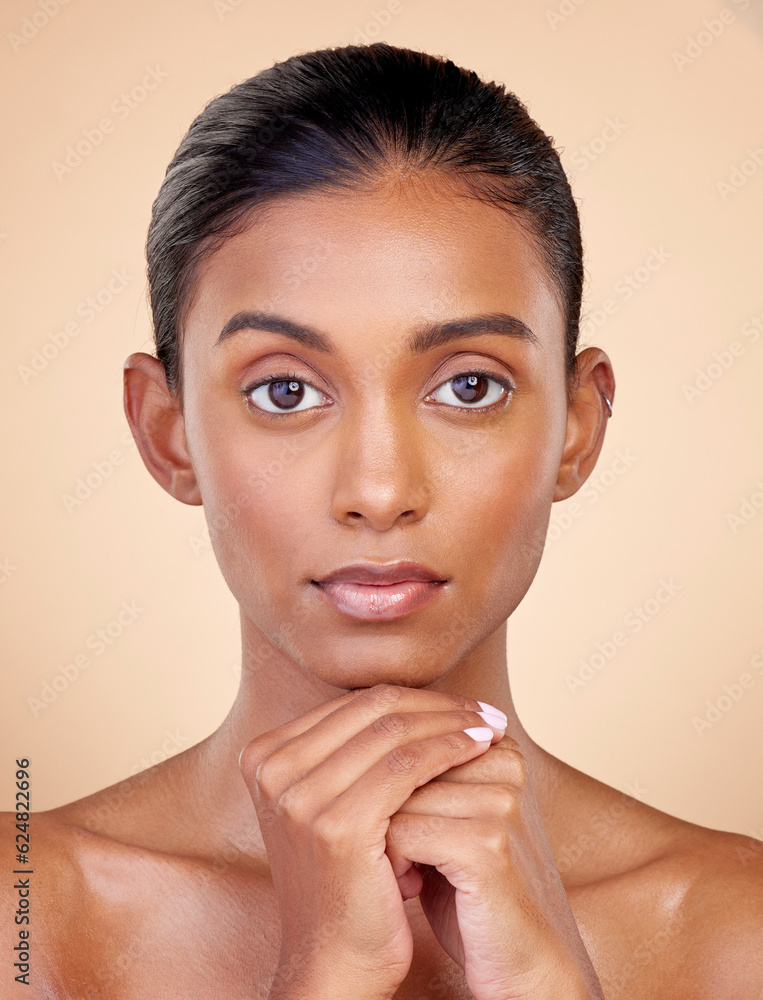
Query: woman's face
(376, 446)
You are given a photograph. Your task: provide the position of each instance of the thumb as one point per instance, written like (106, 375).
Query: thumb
(411, 882)
(409, 878)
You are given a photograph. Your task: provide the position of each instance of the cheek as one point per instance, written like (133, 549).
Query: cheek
(499, 513)
(258, 508)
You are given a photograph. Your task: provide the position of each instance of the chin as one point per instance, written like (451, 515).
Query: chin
(347, 672)
(347, 657)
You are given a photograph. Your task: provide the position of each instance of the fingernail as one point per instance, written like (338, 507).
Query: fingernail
(480, 734)
(494, 710)
(492, 719)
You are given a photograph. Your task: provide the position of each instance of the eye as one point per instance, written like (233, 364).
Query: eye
(473, 390)
(282, 394)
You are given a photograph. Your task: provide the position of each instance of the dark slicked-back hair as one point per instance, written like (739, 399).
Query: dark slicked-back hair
(343, 118)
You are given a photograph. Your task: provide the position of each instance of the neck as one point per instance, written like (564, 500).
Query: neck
(274, 689)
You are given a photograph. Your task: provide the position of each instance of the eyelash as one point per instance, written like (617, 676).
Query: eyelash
(291, 376)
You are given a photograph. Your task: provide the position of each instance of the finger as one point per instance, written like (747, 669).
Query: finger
(504, 762)
(443, 800)
(384, 707)
(460, 800)
(366, 806)
(410, 882)
(502, 819)
(463, 850)
(256, 749)
(307, 776)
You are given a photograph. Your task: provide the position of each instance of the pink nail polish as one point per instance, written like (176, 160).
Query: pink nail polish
(480, 734)
(495, 711)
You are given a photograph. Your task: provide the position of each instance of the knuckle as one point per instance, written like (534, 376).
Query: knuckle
(515, 764)
(250, 757)
(495, 837)
(329, 829)
(506, 804)
(461, 701)
(247, 760)
(383, 695)
(292, 804)
(509, 743)
(457, 741)
(402, 760)
(392, 724)
(266, 778)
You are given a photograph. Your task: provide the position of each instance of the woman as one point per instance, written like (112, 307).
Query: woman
(365, 275)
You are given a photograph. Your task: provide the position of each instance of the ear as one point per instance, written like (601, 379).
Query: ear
(156, 420)
(587, 415)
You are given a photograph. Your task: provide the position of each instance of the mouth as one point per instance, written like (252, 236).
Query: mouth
(375, 592)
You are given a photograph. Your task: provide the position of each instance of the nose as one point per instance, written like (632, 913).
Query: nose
(380, 477)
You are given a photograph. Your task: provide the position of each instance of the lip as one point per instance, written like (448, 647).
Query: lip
(382, 573)
(378, 592)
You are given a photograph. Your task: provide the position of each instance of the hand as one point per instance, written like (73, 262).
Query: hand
(488, 883)
(324, 787)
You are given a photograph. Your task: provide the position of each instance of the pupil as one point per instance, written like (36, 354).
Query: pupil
(469, 388)
(286, 394)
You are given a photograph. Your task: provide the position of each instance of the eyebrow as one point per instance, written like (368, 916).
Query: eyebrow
(424, 339)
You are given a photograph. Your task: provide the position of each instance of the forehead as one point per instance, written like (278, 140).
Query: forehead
(407, 250)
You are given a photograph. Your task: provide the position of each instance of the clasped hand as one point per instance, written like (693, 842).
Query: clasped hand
(381, 795)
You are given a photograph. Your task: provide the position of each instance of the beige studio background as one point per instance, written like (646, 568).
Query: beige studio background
(657, 107)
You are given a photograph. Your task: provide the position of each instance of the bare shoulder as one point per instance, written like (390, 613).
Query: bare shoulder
(666, 907)
(40, 901)
(107, 879)
(722, 911)
(697, 925)
(86, 884)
